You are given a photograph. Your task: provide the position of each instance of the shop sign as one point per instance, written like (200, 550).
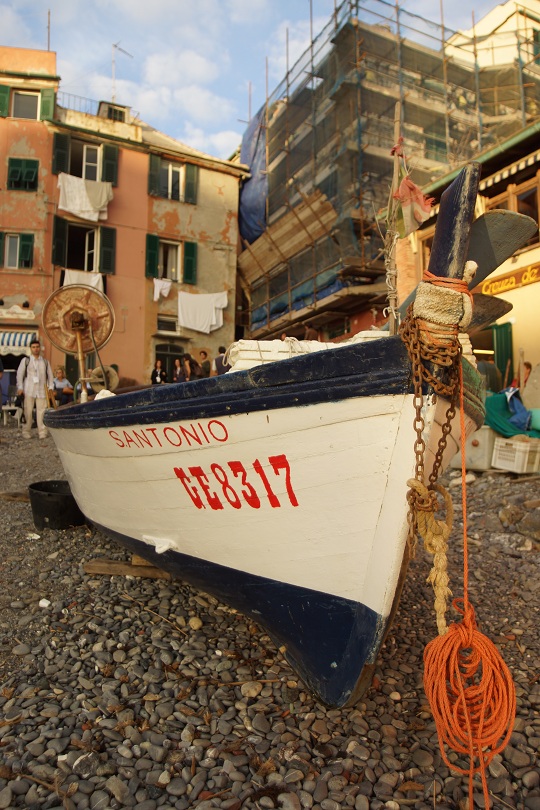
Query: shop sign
(511, 281)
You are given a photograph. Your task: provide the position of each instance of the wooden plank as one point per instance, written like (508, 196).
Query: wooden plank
(284, 239)
(116, 568)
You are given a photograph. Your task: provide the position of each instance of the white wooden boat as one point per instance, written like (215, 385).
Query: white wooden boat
(280, 488)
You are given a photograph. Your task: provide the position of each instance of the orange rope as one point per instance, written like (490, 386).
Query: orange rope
(468, 685)
(457, 284)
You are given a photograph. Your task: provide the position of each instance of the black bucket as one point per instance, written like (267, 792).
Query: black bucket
(53, 505)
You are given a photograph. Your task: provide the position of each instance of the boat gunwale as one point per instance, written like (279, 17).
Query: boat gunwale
(378, 367)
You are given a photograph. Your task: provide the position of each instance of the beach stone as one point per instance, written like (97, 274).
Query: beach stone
(516, 757)
(289, 801)
(119, 790)
(423, 758)
(6, 797)
(531, 779)
(130, 712)
(251, 689)
(21, 649)
(86, 765)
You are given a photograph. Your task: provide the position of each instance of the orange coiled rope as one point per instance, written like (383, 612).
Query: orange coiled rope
(469, 687)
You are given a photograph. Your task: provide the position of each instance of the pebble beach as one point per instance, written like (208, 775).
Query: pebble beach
(118, 691)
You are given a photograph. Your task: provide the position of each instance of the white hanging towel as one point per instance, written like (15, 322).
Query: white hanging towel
(202, 313)
(100, 194)
(162, 286)
(81, 277)
(86, 199)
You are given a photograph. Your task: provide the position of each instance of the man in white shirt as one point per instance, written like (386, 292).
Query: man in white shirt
(34, 376)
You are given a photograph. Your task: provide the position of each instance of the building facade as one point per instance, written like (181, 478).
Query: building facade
(97, 197)
(321, 152)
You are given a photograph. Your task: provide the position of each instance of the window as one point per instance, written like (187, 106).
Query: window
(25, 105)
(520, 197)
(169, 261)
(16, 250)
(167, 353)
(167, 324)
(91, 161)
(536, 43)
(172, 181)
(425, 243)
(32, 105)
(116, 113)
(85, 160)
(22, 174)
(176, 261)
(82, 248)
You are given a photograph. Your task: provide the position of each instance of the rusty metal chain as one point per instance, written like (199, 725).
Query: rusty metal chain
(443, 353)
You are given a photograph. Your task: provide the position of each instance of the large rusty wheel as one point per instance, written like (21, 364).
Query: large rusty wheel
(78, 309)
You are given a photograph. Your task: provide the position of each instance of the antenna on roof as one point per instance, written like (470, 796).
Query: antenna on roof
(116, 47)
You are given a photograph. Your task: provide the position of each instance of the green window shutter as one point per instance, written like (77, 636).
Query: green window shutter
(30, 175)
(1, 249)
(109, 169)
(61, 146)
(190, 192)
(190, 263)
(22, 174)
(26, 250)
(4, 101)
(152, 255)
(15, 171)
(107, 250)
(153, 175)
(59, 246)
(47, 104)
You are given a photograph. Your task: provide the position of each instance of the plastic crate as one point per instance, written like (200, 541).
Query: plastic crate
(478, 450)
(518, 454)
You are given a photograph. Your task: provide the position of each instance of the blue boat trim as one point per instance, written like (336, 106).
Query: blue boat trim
(379, 367)
(328, 639)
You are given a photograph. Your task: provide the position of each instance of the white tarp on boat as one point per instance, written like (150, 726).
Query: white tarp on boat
(249, 353)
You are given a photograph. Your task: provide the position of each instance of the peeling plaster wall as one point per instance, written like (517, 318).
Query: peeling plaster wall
(133, 213)
(213, 224)
(28, 211)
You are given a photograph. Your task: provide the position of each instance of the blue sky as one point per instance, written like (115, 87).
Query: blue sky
(191, 62)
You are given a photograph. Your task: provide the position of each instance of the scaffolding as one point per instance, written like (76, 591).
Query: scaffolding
(329, 132)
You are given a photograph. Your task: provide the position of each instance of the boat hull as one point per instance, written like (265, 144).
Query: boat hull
(281, 490)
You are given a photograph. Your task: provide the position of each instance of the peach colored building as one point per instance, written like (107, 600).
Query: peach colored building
(99, 197)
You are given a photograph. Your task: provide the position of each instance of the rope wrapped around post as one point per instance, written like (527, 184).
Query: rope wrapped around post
(435, 533)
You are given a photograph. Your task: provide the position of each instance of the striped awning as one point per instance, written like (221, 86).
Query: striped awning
(16, 342)
(508, 171)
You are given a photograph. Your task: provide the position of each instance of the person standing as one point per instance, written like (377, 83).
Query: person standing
(34, 377)
(219, 366)
(179, 370)
(310, 333)
(205, 363)
(159, 375)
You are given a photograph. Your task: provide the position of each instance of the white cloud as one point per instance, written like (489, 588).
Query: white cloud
(14, 31)
(179, 68)
(220, 144)
(245, 12)
(201, 105)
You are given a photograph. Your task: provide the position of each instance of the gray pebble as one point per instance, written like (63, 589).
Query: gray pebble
(134, 713)
(6, 797)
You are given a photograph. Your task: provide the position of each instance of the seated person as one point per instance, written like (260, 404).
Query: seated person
(63, 390)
